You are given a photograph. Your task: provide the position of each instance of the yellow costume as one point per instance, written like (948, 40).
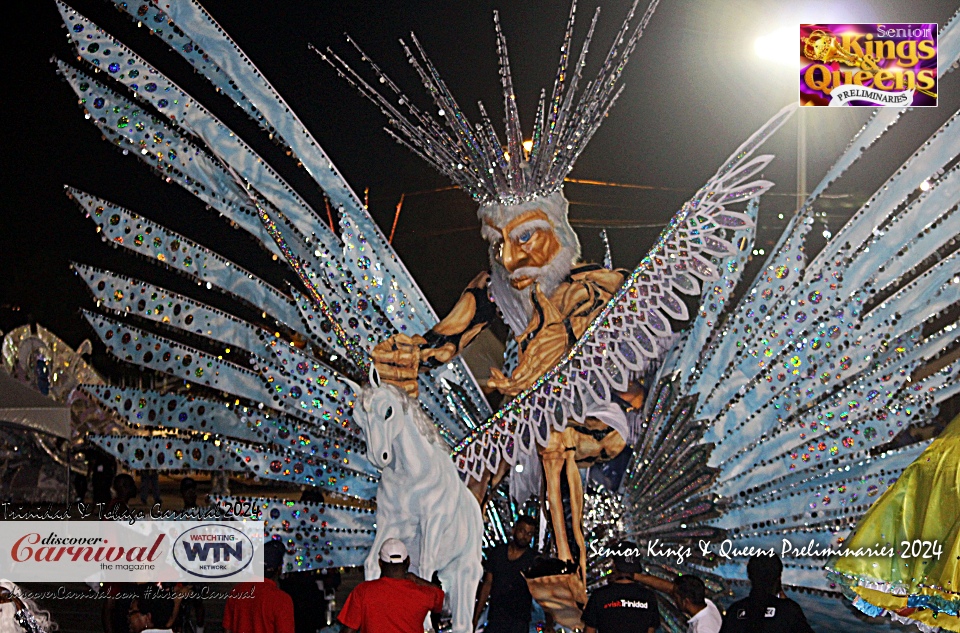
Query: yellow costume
(919, 517)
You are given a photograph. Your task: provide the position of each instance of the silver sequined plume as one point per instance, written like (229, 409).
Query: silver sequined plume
(472, 155)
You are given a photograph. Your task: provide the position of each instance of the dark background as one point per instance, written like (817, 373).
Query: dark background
(694, 90)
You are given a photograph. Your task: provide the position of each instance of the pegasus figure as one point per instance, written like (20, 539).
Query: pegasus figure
(740, 403)
(420, 499)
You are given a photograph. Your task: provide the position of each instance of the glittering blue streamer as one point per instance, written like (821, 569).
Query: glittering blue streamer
(928, 158)
(223, 63)
(207, 453)
(866, 608)
(185, 256)
(130, 296)
(317, 535)
(103, 51)
(164, 355)
(165, 148)
(932, 219)
(152, 409)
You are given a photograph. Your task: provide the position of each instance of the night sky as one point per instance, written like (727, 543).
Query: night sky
(694, 90)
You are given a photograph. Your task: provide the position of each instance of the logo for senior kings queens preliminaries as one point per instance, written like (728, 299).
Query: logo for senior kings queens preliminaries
(868, 65)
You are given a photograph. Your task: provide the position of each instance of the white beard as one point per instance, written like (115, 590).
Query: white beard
(516, 306)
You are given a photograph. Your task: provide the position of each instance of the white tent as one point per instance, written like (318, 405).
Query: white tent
(25, 408)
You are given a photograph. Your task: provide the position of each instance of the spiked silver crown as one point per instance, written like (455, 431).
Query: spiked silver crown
(472, 155)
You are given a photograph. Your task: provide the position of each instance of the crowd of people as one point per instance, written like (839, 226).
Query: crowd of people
(400, 602)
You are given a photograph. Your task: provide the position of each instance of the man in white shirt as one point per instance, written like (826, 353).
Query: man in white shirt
(690, 596)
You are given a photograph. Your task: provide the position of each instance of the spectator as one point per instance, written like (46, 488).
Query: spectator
(190, 614)
(79, 486)
(766, 609)
(396, 602)
(328, 581)
(151, 615)
(220, 483)
(689, 594)
(149, 484)
(622, 604)
(125, 489)
(188, 492)
(503, 582)
(103, 468)
(192, 611)
(270, 610)
(312, 495)
(309, 604)
(114, 614)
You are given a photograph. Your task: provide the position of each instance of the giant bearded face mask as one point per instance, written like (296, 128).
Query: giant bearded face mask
(524, 246)
(529, 243)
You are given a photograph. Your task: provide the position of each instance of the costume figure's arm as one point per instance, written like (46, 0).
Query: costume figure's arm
(653, 582)
(556, 325)
(400, 358)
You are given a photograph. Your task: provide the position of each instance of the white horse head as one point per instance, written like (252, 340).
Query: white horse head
(383, 412)
(378, 416)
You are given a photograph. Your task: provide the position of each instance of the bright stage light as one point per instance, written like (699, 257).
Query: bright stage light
(781, 46)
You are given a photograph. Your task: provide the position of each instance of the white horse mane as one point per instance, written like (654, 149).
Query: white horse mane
(424, 424)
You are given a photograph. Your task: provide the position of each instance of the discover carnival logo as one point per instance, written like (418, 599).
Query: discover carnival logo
(119, 551)
(213, 551)
(53, 548)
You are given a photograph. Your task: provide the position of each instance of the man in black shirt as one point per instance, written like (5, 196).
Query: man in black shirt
(622, 604)
(766, 609)
(504, 584)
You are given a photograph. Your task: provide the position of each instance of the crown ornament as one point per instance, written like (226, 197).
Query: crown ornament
(472, 155)
(822, 46)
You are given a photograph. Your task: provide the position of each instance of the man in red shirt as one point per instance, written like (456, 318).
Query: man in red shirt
(261, 607)
(396, 602)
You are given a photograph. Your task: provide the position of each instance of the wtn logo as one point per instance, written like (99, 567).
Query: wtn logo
(220, 551)
(213, 551)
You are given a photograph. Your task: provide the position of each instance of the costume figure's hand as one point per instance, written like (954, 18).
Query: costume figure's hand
(543, 351)
(397, 360)
(442, 354)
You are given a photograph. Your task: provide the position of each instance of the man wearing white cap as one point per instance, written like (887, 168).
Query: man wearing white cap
(396, 602)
